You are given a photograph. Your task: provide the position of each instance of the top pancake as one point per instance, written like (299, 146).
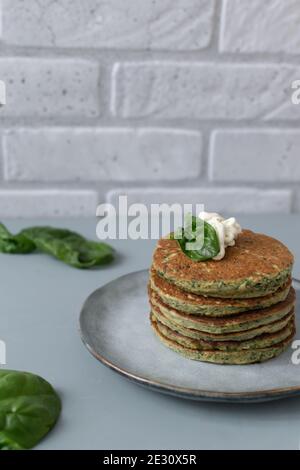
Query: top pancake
(256, 266)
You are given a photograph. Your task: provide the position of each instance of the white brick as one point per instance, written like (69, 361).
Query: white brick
(286, 111)
(180, 25)
(47, 203)
(260, 26)
(50, 87)
(122, 154)
(223, 200)
(256, 155)
(199, 90)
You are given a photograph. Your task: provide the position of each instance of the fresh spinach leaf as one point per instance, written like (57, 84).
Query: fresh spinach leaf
(29, 408)
(69, 247)
(14, 244)
(202, 235)
(65, 245)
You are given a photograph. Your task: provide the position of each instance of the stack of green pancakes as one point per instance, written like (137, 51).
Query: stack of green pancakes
(239, 310)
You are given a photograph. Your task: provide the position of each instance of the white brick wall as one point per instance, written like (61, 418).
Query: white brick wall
(256, 155)
(131, 24)
(225, 200)
(101, 154)
(186, 101)
(159, 89)
(260, 26)
(47, 203)
(52, 88)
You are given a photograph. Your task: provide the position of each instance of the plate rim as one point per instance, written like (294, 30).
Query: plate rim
(184, 392)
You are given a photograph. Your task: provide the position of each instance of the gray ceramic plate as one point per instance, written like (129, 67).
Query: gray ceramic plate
(114, 325)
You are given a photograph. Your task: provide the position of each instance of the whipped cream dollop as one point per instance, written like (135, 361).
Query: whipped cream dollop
(226, 229)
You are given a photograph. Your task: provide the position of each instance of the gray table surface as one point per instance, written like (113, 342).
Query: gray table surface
(40, 304)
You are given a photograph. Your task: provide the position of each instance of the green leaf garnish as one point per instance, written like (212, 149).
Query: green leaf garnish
(67, 246)
(29, 408)
(14, 244)
(198, 239)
